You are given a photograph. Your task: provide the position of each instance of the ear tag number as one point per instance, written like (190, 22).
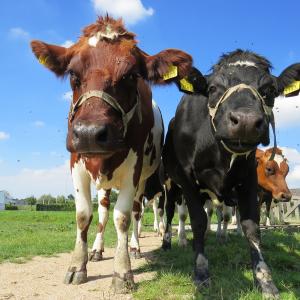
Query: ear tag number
(173, 72)
(186, 85)
(292, 87)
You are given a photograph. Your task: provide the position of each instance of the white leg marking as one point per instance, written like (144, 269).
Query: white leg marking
(182, 212)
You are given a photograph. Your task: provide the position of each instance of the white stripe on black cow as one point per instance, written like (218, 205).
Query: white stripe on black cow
(115, 132)
(211, 145)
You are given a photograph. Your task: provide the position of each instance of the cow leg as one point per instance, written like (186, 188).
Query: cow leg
(140, 223)
(160, 210)
(233, 218)
(77, 272)
(155, 211)
(198, 218)
(209, 211)
(219, 213)
(122, 281)
(103, 212)
(182, 212)
(135, 251)
(249, 212)
(170, 209)
(238, 222)
(268, 222)
(226, 218)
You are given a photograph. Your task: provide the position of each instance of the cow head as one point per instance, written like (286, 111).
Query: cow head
(271, 174)
(240, 92)
(105, 68)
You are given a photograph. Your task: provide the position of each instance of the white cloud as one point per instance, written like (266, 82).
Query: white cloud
(39, 124)
(68, 96)
(67, 43)
(19, 33)
(131, 11)
(287, 111)
(54, 181)
(4, 135)
(293, 178)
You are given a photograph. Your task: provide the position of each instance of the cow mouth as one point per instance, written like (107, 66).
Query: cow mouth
(240, 146)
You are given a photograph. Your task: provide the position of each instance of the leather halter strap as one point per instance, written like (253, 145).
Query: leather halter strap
(103, 96)
(267, 110)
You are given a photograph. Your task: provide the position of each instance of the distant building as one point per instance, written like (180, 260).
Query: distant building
(5, 198)
(296, 192)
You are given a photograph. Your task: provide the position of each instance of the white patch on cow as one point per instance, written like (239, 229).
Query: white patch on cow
(109, 34)
(242, 63)
(182, 212)
(279, 159)
(168, 184)
(157, 130)
(201, 262)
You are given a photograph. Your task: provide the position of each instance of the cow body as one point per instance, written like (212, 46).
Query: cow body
(115, 131)
(210, 149)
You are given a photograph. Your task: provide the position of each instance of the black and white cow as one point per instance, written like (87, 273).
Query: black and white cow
(211, 142)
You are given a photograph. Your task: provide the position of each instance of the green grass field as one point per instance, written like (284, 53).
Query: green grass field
(24, 234)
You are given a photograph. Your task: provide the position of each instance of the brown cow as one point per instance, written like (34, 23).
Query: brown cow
(271, 178)
(115, 132)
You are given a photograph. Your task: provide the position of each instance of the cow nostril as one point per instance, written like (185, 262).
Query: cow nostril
(234, 119)
(258, 123)
(101, 134)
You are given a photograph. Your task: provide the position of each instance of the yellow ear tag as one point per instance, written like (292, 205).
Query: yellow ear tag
(173, 72)
(292, 88)
(43, 60)
(186, 85)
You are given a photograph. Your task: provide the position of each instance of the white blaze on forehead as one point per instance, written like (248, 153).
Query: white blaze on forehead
(109, 34)
(242, 63)
(279, 159)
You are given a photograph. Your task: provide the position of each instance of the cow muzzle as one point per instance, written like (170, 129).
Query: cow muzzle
(90, 138)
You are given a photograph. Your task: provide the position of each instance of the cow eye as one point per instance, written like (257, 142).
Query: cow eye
(74, 80)
(212, 89)
(269, 171)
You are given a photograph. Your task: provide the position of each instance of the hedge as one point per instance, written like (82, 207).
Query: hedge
(60, 207)
(10, 206)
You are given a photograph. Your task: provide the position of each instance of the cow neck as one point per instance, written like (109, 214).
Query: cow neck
(103, 96)
(267, 110)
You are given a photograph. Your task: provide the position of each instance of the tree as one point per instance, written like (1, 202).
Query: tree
(61, 199)
(46, 199)
(30, 201)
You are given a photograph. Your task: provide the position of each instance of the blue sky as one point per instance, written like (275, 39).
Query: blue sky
(33, 159)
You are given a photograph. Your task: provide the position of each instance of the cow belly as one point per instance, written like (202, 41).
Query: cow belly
(152, 157)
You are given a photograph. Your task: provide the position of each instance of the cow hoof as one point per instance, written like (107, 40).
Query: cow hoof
(135, 253)
(202, 279)
(75, 277)
(123, 285)
(166, 245)
(95, 256)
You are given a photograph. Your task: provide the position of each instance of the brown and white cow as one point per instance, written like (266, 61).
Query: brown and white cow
(115, 131)
(271, 176)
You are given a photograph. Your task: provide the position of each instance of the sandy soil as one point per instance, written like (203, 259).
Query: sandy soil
(42, 277)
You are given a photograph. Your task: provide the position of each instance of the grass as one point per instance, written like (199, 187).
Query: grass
(230, 269)
(24, 234)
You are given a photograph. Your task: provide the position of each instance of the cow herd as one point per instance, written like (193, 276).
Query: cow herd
(116, 140)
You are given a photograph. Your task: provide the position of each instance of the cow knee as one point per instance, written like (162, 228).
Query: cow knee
(136, 210)
(160, 212)
(122, 221)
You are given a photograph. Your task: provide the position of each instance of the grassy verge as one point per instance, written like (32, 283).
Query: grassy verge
(230, 269)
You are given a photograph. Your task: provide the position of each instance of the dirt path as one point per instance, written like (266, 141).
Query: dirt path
(42, 278)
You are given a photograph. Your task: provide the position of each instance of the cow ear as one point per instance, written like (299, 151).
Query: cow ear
(193, 83)
(55, 58)
(287, 78)
(167, 66)
(259, 154)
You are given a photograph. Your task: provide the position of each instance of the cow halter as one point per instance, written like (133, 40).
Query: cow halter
(101, 95)
(267, 110)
